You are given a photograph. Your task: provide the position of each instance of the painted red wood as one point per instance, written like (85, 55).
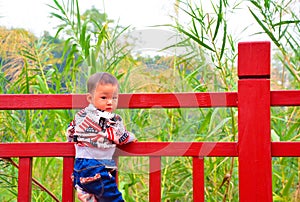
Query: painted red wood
(116, 159)
(253, 149)
(46, 149)
(285, 98)
(179, 149)
(255, 162)
(198, 179)
(67, 190)
(136, 149)
(155, 100)
(154, 178)
(151, 100)
(42, 101)
(25, 179)
(177, 100)
(285, 149)
(254, 141)
(254, 59)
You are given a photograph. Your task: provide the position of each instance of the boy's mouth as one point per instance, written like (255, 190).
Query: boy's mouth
(108, 109)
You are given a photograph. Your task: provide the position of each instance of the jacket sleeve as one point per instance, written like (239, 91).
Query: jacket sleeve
(118, 133)
(70, 131)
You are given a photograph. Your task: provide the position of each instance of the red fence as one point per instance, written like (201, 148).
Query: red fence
(254, 148)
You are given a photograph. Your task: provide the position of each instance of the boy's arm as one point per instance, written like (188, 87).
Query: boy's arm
(70, 132)
(118, 133)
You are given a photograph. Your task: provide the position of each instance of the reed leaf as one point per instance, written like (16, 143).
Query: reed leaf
(219, 20)
(270, 34)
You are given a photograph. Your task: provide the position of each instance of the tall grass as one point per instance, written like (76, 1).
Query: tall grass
(209, 31)
(90, 44)
(281, 22)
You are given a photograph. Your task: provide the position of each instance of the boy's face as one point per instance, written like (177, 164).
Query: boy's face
(105, 97)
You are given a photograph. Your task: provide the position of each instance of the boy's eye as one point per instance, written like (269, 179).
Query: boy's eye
(104, 98)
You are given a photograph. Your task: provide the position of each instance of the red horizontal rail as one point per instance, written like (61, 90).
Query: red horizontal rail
(42, 101)
(178, 149)
(285, 149)
(149, 100)
(285, 98)
(48, 149)
(178, 100)
(201, 149)
(139, 100)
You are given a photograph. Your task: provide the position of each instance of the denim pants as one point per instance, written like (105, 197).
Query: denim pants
(95, 177)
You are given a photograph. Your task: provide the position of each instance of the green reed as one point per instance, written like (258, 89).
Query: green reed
(91, 45)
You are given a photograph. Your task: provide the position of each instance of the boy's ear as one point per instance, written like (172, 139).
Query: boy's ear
(89, 97)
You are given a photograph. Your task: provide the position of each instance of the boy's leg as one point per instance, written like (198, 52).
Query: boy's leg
(84, 196)
(94, 182)
(111, 192)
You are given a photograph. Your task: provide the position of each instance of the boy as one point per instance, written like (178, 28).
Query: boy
(96, 131)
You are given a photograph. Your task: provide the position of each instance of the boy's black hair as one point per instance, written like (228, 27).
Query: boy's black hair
(100, 78)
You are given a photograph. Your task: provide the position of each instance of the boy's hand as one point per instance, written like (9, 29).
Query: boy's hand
(118, 133)
(106, 120)
(70, 132)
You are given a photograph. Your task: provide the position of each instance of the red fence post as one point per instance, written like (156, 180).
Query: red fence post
(25, 179)
(254, 141)
(67, 188)
(155, 179)
(198, 179)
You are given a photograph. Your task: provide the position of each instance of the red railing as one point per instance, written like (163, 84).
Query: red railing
(254, 148)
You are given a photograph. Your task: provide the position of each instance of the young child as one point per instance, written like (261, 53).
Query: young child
(96, 132)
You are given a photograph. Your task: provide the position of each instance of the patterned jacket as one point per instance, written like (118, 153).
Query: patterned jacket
(95, 128)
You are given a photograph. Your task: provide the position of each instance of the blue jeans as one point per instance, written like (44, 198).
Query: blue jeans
(94, 176)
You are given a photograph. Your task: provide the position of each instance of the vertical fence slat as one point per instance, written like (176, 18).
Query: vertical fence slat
(198, 179)
(254, 141)
(67, 188)
(25, 179)
(116, 159)
(155, 179)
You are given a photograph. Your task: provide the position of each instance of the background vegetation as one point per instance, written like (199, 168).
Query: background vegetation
(87, 42)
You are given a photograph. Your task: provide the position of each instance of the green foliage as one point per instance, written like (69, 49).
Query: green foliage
(213, 49)
(8, 181)
(85, 43)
